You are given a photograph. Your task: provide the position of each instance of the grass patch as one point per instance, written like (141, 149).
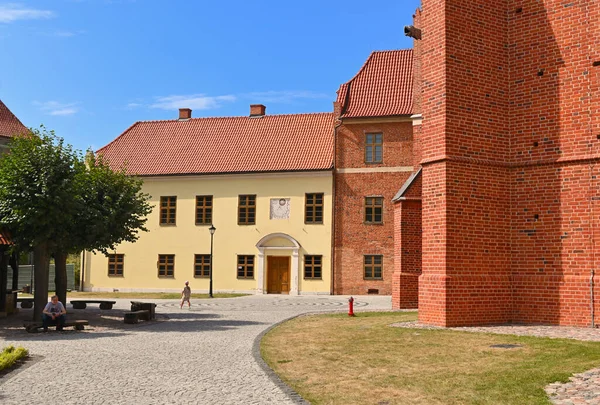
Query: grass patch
(335, 359)
(166, 296)
(10, 355)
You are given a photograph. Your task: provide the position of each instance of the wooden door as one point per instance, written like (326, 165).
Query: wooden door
(278, 275)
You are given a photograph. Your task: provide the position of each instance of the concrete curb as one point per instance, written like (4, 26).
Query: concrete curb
(288, 391)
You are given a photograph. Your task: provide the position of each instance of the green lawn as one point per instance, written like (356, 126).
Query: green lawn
(335, 359)
(10, 355)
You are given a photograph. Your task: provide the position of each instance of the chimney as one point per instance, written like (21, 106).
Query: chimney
(185, 113)
(257, 110)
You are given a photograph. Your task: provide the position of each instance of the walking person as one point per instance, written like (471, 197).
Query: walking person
(185, 295)
(54, 312)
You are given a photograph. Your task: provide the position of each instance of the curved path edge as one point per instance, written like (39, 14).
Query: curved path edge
(288, 391)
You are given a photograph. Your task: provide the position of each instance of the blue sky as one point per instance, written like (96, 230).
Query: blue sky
(90, 68)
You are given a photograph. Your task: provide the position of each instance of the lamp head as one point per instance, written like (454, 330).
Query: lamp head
(212, 229)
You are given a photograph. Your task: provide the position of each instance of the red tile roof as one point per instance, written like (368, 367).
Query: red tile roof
(271, 143)
(5, 238)
(382, 87)
(9, 124)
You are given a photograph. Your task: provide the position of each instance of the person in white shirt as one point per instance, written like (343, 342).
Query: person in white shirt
(54, 312)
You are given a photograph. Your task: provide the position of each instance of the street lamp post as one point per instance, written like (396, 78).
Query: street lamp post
(212, 230)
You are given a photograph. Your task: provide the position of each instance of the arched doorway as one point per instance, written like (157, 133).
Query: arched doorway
(277, 265)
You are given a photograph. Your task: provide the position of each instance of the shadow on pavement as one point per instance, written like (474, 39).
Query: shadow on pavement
(109, 323)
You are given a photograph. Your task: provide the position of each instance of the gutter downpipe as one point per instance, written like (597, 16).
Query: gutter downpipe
(333, 196)
(592, 297)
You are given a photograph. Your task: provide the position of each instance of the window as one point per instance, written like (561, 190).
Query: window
(168, 206)
(245, 267)
(166, 265)
(373, 267)
(201, 265)
(313, 208)
(247, 210)
(115, 265)
(313, 267)
(374, 148)
(204, 209)
(374, 210)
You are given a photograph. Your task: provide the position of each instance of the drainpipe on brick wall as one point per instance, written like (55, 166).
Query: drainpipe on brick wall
(592, 297)
(335, 129)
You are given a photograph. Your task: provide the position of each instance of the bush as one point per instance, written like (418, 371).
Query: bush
(10, 355)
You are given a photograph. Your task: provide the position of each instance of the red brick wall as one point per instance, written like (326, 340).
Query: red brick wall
(465, 186)
(407, 249)
(510, 179)
(554, 151)
(352, 237)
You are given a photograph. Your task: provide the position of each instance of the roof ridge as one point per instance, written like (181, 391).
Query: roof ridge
(235, 116)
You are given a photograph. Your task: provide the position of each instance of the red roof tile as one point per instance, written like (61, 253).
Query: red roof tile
(9, 124)
(5, 238)
(270, 143)
(381, 88)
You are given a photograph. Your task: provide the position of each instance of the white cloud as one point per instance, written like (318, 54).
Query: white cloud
(66, 34)
(57, 108)
(12, 12)
(284, 96)
(193, 101)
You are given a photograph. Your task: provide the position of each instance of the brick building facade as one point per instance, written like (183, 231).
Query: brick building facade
(373, 154)
(510, 153)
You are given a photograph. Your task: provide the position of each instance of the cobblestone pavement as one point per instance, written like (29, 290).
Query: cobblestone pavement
(559, 332)
(582, 388)
(202, 355)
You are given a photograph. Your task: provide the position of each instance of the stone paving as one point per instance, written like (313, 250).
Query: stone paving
(202, 355)
(582, 388)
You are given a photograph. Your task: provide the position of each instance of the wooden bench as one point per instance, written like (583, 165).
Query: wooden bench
(82, 304)
(140, 306)
(135, 316)
(26, 302)
(33, 327)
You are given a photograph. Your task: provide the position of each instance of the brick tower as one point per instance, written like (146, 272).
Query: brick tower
(511, 153)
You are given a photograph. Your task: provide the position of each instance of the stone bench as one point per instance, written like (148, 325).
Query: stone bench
(26, 302)
(135, 316)
(148, 306)
(82, 304)
(33, 327)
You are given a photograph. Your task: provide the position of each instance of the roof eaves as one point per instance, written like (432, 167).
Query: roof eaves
(365, 117)
(324, 169)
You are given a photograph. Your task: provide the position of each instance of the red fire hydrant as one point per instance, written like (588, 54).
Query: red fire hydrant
(351, 307)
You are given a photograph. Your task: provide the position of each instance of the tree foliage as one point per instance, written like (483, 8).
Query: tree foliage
(55, 201)
(37, 185)
(115, 208)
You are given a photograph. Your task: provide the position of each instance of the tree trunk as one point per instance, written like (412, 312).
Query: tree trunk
(41, 262)
(14, 263)
(3, 279)
(60, 281)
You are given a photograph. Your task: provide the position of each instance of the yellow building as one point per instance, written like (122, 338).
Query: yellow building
(264, 182)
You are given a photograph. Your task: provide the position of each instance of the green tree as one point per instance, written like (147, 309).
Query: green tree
(37, 185)
(112, 209)
(56, 202)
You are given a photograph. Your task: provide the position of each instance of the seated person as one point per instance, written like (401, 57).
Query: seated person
(54, 312)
